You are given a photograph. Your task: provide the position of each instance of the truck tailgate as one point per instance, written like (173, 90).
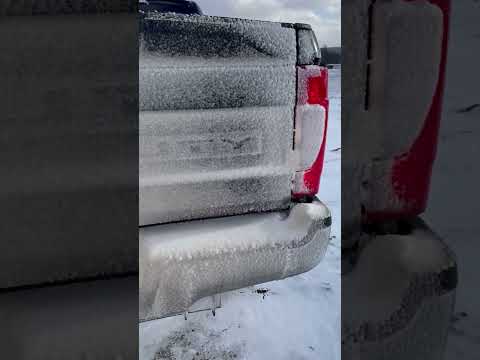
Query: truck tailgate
(217, 99)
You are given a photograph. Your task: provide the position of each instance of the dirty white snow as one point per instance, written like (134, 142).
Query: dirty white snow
(296, 318)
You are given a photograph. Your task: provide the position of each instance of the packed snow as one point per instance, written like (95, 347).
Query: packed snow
(296, 318)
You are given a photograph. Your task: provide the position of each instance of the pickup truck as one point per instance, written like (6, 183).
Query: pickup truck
(399, 278)
(233, 117)
(217, 192)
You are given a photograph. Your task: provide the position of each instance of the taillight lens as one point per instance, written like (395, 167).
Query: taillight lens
(311, 116)
(409, 42)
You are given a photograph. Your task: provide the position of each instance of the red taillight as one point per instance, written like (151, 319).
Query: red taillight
(317, 89)
(406, 82)
(311, 116)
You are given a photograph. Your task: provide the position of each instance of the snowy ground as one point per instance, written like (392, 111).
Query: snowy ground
(453, 204)
(296, 318)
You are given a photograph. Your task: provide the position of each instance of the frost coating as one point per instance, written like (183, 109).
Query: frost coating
(309, 134)
(177, 35)
(181, 263)
(198, 84)
(403, 287)
(213, 162)
(293, 300)
(405, 68)
(217, 100)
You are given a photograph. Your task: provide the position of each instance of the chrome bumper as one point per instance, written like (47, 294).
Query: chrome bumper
(184, 262)
(402, 290)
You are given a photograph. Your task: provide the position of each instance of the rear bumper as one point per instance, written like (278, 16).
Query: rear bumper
(184, 262)
(402, 289)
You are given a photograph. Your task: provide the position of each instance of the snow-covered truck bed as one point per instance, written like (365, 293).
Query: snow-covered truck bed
(233, 119)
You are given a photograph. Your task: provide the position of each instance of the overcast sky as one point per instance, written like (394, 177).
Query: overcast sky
(323, 15)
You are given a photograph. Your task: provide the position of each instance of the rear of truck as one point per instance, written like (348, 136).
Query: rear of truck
(399, 278)
(233, 117)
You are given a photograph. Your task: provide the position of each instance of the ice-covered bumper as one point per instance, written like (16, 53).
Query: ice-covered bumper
(402, 287)
(184, 262)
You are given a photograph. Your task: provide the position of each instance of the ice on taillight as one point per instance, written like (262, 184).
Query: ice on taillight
(311, 117)
(309, 134)
(404, 90)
